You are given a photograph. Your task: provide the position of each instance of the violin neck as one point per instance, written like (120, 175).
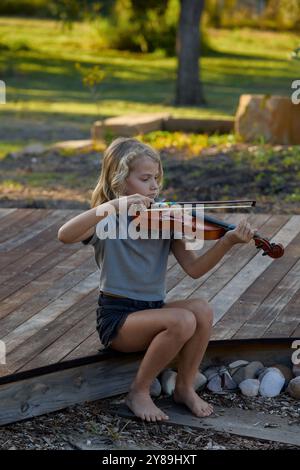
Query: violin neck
(213, 220)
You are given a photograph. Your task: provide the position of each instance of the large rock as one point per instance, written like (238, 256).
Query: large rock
(294, 388)
(275, 118)
(249, 387)
(129, 125)
(271, 382)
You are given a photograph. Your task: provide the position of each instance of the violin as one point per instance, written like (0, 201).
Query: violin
(212, 228)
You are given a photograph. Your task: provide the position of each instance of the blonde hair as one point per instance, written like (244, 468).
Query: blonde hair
(117, 163)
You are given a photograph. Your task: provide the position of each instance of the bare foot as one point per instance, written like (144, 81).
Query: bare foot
(191, 399)
(141, 404)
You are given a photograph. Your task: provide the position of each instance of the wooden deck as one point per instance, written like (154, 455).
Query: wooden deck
(49, 291)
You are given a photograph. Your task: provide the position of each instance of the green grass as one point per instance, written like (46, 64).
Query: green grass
(7, 147)
(38, 59)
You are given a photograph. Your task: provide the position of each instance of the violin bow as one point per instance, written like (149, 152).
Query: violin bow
(166, 205)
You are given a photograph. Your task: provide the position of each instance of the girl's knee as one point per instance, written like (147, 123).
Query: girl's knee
(183, 323)
(204, 313)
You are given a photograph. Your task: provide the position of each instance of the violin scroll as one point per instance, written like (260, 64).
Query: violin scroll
(274, 250)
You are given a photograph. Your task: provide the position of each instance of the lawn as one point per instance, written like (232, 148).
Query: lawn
(47, 101)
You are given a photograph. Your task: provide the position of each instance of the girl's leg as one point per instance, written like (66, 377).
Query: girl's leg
(163, 332)
(191, 355)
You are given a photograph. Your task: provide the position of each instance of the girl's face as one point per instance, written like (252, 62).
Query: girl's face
(143, 178)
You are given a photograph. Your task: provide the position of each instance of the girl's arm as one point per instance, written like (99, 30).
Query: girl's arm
(196, 266)
(83, 225)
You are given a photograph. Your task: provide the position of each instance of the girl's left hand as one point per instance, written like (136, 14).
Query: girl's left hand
(243, 233)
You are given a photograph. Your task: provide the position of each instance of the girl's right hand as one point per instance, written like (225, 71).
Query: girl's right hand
(137, 201)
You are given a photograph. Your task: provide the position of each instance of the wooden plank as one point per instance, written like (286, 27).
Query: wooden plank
(248, 302)
(296, 332)
(5, 212)
(47, 286)
(50, 245)
(63, 345)
(24, 278)
(27, 329)
(42, 236)
(21, 227)
(247, 423)
(12, 220)
(52, 332)
(90, 345)
(236, 259)
(287, 321)
(54, 391)
(222, 302)
(31, 231)
(271, 307)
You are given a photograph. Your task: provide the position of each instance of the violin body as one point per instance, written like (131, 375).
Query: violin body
(210, 228)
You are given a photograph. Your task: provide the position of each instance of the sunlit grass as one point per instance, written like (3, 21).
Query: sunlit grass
(7, 147)
(38, 60)
(38, 64)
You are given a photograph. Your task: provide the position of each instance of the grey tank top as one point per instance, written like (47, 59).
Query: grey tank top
(134, 268)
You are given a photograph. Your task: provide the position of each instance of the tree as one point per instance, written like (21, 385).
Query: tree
(189, 87)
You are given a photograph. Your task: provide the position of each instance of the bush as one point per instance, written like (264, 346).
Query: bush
(37, 8)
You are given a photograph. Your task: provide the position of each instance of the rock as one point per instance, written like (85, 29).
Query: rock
(271, 382)
(129, 125)
(76, 145)
(220, 380)
(296, 370)
(200, 381)
(252, 370)
(238, 374)
(286, 371)
(210, 372)
(34, 149)
(227, 381)
(275, 118)
(155, 388)
(249, 387)
(168, 380)
(294, 388)
(214, 384)
(237, 364)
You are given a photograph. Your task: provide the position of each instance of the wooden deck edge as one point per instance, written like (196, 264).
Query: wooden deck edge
(32, 393)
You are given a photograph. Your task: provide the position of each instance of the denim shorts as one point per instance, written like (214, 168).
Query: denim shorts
(113, 311)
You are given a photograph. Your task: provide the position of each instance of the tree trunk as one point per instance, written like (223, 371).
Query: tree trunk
(189, 88)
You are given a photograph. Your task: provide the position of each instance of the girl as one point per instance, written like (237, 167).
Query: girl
(132, 315)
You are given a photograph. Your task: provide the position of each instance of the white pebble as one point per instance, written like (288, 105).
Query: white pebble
(200, 381)
(249, 387)
(168, 380)
(272, 382)
(238, 363)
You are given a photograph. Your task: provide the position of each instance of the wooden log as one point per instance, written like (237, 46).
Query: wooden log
(36, 392)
